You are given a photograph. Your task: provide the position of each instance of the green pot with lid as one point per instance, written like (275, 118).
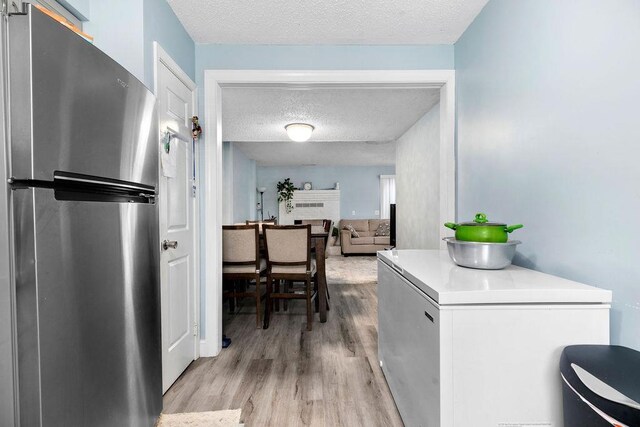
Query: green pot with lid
(481, 230)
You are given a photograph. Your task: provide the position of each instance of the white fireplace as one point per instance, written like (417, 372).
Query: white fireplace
(311, 204)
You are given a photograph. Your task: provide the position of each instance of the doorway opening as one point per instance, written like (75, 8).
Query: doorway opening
(442, 81)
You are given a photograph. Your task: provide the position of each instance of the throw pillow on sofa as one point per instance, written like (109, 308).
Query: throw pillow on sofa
(353, 231)
(384, 229)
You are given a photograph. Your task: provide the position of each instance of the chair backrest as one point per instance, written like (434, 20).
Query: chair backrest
(288, 245)
(240, 245)
(266, 221)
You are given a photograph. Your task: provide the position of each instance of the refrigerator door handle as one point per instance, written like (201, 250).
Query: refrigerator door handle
(72, 186)
(80, 179)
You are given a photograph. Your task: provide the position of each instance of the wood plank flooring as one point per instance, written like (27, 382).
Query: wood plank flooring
(287, 376)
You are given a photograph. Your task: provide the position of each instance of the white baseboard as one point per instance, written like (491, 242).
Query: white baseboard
(207, 350)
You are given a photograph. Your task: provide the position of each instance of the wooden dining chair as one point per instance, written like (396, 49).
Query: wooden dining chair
(241, 262)
(288, 253)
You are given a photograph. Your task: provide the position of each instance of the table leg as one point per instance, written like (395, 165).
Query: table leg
(322, 279)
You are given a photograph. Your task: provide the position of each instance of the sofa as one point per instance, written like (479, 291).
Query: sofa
(367, 242)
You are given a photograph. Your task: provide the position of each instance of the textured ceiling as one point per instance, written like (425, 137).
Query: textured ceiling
(326, 22)
(260, 114)
(320, 153)
(353, 126)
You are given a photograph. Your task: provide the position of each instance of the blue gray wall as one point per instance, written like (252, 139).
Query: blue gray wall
(162, 25)
(359, 185)
(118, 31)
(244, 187)
(126, 30)
(80, 8)
(548, 135)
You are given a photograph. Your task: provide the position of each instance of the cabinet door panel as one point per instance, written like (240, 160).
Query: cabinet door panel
(408, 347)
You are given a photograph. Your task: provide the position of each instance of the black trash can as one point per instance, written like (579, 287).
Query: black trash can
(600, 386)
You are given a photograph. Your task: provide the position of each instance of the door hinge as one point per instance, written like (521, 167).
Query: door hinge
(194, 191)
(195, 329)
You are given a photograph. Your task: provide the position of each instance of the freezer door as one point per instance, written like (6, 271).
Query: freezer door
(409, 347)
(75, 109)
(87, 294)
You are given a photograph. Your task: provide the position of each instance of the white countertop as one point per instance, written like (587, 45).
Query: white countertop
(448, 284)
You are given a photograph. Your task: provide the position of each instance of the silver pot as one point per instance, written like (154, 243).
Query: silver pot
(485, 256)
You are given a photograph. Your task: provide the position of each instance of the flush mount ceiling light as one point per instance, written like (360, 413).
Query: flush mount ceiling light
(299, 132)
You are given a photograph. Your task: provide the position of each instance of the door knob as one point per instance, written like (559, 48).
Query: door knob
(173, 244)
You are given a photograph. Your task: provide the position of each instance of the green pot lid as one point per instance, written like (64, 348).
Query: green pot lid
(485, 224)
(481, 219)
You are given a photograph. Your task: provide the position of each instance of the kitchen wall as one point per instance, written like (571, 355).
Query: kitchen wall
(126, 30)
(359, 185)
(324, 57)
(548, 136)
(80, 8)
(162, 25)
(118, 31)
(418, 184)
(320, 57)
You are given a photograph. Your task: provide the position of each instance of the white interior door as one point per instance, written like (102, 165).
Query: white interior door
(176, 105)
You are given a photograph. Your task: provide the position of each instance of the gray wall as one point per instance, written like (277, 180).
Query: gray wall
(359, 185)
(418, 184)
(548, 135)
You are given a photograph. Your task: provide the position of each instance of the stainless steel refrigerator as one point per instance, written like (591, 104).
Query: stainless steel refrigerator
(83, 167)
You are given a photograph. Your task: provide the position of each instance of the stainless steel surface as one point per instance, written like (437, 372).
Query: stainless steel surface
(408, 347)
(90, 116)
(485, 256)
(7, 343)
(86, 273)
(166, 244)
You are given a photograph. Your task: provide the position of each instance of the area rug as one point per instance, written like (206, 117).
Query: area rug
(352, 270)
(228, 418)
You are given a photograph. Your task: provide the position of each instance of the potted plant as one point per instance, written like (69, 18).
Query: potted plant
(285, 194)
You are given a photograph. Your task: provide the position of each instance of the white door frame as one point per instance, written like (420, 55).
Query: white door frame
(215, 80)
(161, 56)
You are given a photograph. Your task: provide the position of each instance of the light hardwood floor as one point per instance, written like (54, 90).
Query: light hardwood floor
(287, 376)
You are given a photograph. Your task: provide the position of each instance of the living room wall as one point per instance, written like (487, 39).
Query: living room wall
(359, 185)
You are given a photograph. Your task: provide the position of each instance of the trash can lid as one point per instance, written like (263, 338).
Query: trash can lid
(606, 376)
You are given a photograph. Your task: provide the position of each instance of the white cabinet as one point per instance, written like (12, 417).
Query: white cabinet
(490, 355)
